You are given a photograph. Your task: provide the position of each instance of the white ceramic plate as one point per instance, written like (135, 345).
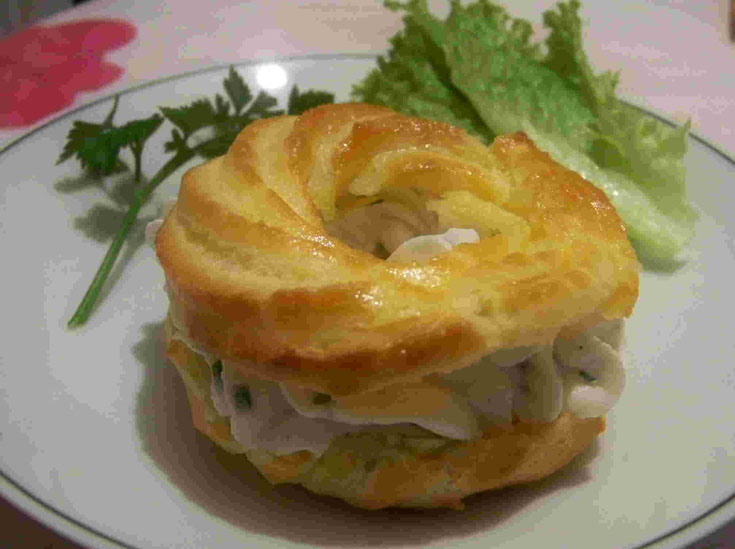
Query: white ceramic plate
(96, 438)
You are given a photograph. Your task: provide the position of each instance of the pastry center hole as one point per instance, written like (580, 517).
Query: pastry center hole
(379, 228)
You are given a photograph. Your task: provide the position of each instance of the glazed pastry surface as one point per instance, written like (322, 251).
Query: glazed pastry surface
(261, 270)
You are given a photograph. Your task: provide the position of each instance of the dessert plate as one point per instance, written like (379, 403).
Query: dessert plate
(95, 435)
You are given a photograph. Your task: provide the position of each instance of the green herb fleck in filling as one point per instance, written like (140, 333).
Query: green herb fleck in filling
(589, 378)
(217, 375)
(243, 400)
(321, 398)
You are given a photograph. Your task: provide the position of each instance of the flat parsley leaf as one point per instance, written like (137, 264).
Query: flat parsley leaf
(93, 145)
(204, 128)
(300, 102)
(97, 146)
(237, 90)
(190, 118)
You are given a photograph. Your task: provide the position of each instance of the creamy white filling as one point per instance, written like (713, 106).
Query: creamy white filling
(424, 247)
(381, 228)
(593, 374)
(542, 386)
(151, 229)
(583, 375)
(266, 420)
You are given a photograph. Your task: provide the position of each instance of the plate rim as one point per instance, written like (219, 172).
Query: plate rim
(52, 518)
(57, 520)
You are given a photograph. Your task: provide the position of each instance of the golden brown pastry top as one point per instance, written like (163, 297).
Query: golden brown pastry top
(255, 278)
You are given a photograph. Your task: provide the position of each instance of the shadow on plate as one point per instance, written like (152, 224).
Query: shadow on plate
(105, 211)
(227, 486)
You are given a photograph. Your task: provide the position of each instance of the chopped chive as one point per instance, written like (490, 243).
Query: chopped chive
(370, 465)
(380, 251)
(321, 398)
(217, 374)
(589, 378)
(243, 400)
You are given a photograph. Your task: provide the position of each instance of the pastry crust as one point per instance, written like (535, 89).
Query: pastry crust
(255, 278)
(378, 470)
(504, 456)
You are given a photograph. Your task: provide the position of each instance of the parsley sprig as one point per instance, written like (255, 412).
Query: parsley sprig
(205, 129)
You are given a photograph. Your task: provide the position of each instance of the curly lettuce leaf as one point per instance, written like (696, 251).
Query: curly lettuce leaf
(414, 76)
(480, 69)
(628, 141)
(496, 66)
(657, 239)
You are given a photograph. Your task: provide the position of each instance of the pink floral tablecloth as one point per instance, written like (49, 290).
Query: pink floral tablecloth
(43, 68)
(682, 76)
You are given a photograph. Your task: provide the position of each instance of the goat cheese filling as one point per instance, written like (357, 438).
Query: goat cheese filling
(583, 375)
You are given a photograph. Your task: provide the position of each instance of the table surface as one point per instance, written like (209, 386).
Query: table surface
(673, 75)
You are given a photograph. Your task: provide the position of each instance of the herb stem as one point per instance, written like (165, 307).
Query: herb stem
(137, 150)
(85, 307)
(97, 147)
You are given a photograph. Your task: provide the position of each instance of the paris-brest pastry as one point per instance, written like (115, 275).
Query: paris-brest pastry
(385, 309)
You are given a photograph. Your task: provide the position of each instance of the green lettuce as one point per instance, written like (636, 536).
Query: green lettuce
(415, 79)
(480, 69)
